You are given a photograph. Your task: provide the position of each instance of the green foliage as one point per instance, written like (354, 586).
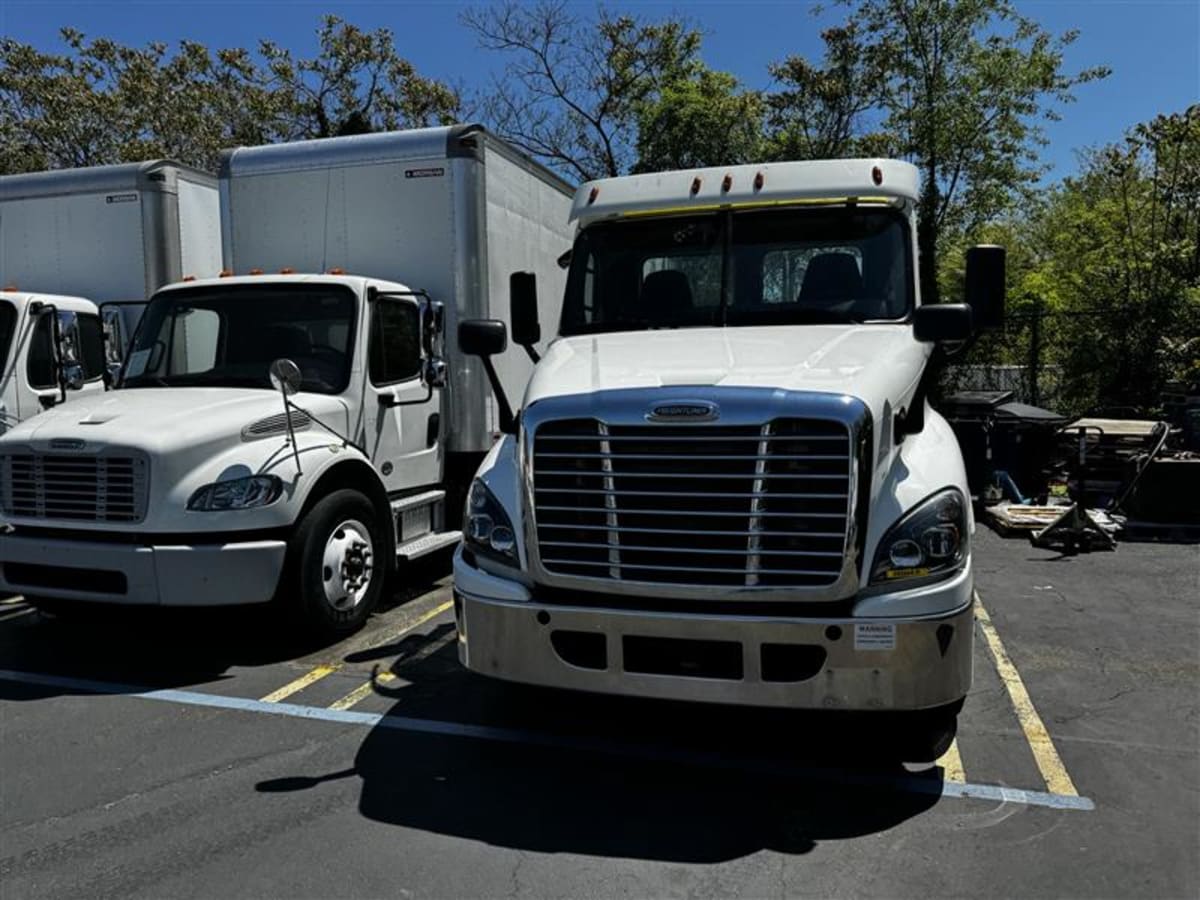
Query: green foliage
(703, 119)
(956, 86)
(101, 102)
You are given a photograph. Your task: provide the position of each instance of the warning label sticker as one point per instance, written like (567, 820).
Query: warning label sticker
(436, 172)
(873, 636)
(121, 198)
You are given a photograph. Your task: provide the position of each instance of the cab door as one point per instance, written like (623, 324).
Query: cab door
(404, 392)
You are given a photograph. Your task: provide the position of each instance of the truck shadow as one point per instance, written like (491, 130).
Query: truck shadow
(129, 649)
(552, 772)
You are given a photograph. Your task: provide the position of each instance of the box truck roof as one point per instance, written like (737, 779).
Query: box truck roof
(767, 184)
(153, 175)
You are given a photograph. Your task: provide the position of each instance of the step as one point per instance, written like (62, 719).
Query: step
(416, 500)
(427, 544)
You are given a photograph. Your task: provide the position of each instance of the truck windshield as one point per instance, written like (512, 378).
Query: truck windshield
(228, 337)
(779, 267)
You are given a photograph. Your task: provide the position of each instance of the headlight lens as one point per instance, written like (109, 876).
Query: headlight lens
(489, 530)
(237, 493)
(930, 539)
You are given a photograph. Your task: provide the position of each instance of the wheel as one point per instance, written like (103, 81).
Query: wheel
(929, 734)
(334, 558)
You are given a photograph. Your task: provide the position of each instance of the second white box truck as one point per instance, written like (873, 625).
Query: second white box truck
(200, 484)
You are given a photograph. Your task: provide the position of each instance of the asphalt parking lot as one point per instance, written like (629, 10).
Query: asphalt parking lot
(201, 756)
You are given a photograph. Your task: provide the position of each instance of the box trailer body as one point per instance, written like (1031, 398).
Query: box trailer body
(451, 211)
(290, 434)
(725, 483)
(109, 233)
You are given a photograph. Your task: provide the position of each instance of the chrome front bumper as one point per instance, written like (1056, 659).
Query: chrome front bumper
(167, 575)
(853, 663)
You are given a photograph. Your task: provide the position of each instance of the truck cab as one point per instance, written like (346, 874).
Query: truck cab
(724, 482)
(52, 348)
(265, 425)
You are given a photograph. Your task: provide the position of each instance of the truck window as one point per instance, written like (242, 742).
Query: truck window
(91, 346)
(395, 343)
(8, 328)
(39, 371)
(229, 336)
(776, 267)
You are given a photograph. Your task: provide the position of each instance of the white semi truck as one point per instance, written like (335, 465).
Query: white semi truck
(91, 245)
(205, 479)
(725, 482)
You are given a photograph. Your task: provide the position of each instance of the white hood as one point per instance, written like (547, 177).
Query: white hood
(879, 364)
(166, 420)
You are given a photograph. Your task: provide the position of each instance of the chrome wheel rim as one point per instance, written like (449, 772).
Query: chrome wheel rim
(348, 565)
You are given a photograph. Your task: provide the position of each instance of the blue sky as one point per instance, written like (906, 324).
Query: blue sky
(1153, 46)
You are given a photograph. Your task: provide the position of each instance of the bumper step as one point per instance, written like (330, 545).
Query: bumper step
(427, 544)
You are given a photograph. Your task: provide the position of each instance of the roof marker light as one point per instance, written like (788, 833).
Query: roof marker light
(9, 288)
(225, 273)
(727, 182)
(256, 271)
(287, 270)
(695, 185)
(877, 175)
(188, 278)
(336, 270)
(593, 194)
(758, 181)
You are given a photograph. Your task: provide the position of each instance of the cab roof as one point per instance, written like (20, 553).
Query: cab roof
(887, 181)
(356, 282)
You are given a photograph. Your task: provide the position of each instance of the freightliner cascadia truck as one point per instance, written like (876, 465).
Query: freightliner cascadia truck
(725, 482)
(296, 429)
(80, 251)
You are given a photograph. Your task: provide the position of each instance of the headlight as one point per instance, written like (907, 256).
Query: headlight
(930, 539)
(488, 528)
(238, 493)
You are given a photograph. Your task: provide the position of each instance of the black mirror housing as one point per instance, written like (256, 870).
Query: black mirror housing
(523, 306)
(482, 337)
(942, 322)
(985, 285)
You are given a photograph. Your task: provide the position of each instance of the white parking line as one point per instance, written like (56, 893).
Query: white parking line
(897, 782)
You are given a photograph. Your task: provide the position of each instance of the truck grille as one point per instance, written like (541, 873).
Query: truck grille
(694, 504)
(110, 487)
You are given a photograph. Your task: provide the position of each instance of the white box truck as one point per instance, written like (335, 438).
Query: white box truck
(76, 239)
(206, 479)
(725, 483)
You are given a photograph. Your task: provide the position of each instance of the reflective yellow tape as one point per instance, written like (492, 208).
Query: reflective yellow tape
(1048, 761)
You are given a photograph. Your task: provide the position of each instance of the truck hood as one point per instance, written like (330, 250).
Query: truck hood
(879, 364)
(162, 421)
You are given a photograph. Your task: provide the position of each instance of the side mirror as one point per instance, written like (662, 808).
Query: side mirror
(523, 304)
(482, 337)
(73, 376)
(985, 285)
(485, 338)
(942, 322)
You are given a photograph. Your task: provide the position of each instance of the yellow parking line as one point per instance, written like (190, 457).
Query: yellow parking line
(364, 690)
(300, 683)
(951, 763)
(1048, 761)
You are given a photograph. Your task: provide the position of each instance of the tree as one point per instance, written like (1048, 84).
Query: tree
(356, 83)
(573, 88)
(958, 87)
(102, 102)
(703, 119)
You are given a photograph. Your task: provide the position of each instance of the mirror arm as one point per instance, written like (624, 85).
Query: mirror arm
(911, 419)
(533, 354)
(508, 423)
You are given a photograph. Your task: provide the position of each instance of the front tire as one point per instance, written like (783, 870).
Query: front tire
(337, 563)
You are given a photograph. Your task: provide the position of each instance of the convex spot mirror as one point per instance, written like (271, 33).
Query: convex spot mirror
(942, 323)
(285, 376)
(73, 376)
(482, 337)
